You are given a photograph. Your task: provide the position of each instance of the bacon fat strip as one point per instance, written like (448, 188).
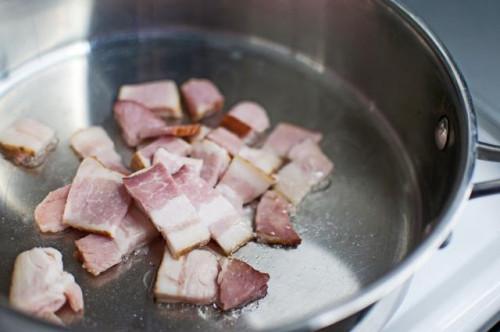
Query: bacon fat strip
(142, 157)
(225, 223)
(162, 97)
(95, 142)
(191, 278)
(99, 253)
(27, 142)
(169, 209)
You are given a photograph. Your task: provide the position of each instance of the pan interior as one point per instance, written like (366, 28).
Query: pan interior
(354, 229)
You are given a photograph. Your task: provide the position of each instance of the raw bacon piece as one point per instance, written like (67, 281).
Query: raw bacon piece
(246, 180)
(176, 130)
(49, 213)
(97, 200)
(272, 221)
(173, 162)
(168, 208)
(134, 118)
(240, 284)
(202, 98)
(162, 97)
(202, 133)
(142, 157)
(252, 114)
(189, 279)
(95, 142)
(99, 253)
(27, 142)
(266, 160)
(309, 166)
(40, 286)
(231, 196)
(216, 212)
(215, 160)
(285, 136)
(226, 139)
(247, 120)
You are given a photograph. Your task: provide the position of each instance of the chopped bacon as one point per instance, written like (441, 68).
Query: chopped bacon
(168, 208)
(162, 97)
(240, 284)
(189, 279)
(246, 180)
(226, 139)
(95, 142)
(285, 136)
(134, 118)
(27, 142)
(200, 135)
(40, 286)
(97, 200)
(215, 160)
(216, 212)
(309, 166)
(49, 213)
(99, 253)
(247, 120)
(202, 98)
(232, 196)
(272, 221)
(175, 130)
(173, 162)
(266, 160)
(142, 157)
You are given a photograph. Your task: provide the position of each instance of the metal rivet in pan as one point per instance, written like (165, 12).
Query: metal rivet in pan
(442, 132)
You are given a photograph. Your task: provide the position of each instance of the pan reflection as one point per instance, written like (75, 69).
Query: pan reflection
(302, 280)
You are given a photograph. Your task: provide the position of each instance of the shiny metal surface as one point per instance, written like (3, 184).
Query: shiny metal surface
(489, 152)
(442, 132)
(371, 80)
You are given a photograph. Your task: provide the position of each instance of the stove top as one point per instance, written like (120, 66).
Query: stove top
(459, 288)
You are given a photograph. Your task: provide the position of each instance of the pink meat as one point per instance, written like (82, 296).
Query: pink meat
(142, 157)
(191, 278)
(97, 200)
(309, 166)
(202, 98)
(99, 253)
(226, 139)
(173, 162)
(27, 142)
(224, 222)
(215, 160)
(49, 213)
(40, 286)
(185, 130)
(168, 208)
(162, 97)
(272, 221)
(95, 142)
(134, 118)
(247, 120)
(240, 284)
(285, 136)
(246, 180)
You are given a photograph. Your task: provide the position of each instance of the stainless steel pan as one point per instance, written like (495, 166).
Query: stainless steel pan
(394, 110)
